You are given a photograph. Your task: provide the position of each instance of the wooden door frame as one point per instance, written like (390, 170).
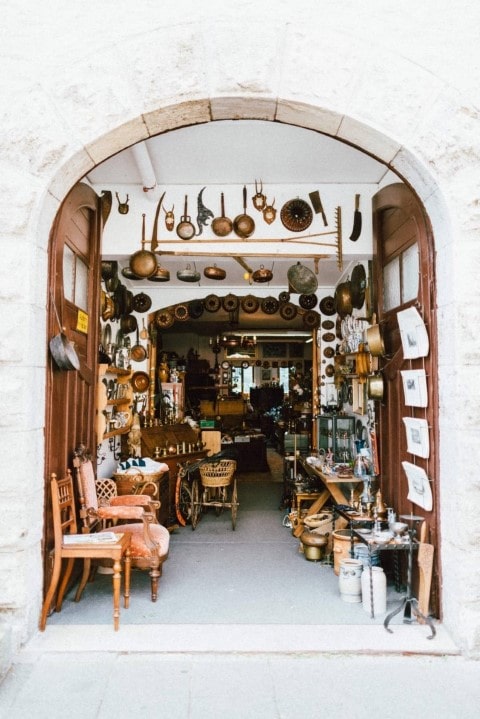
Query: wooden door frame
(394, 196)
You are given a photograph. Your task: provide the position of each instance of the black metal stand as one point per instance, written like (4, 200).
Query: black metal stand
(409, 603)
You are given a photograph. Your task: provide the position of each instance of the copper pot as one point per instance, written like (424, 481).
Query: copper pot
(214, 273)
(375, 342)
(375, 386)
(262, 275)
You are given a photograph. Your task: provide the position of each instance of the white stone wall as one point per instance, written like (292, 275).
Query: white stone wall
(81, 81)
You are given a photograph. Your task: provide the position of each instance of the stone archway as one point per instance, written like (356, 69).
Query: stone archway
(101, 124)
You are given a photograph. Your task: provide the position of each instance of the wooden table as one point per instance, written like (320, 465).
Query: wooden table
(332, 483)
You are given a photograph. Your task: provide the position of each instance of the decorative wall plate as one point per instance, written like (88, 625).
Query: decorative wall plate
(328, 324)
(327, 306)
(328, 337)
(328, 352)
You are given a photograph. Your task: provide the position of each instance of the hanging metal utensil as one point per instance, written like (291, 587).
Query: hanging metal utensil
(222, 226)
(269, 213)
(154, 242)
(143, 263)
(296, 215)
(244, 225)
(203, 213)
(185, 228)
(302, 280)
(357, 220)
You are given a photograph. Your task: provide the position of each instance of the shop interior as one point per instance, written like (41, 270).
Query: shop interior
(237, 321)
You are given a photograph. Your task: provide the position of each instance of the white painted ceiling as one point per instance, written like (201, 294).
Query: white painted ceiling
(223, 154)
(234, 152)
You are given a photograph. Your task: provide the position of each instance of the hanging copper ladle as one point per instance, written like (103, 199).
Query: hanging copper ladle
(259, 199)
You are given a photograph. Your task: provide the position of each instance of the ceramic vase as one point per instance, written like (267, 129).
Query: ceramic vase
(350, 580)
(374, 582)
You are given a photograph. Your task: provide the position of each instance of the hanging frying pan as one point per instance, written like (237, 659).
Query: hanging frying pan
(138, 353)
(222, 226)
(185, 228)
(302, 280)
(244, 225)
(143, 263)
(140, 381)
(296, 215)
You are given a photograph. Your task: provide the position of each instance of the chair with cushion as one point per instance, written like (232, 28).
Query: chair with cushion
(149, 539)
(69, 546)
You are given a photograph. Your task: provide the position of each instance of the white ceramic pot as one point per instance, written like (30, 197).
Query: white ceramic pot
(374, 583)
(350, 580)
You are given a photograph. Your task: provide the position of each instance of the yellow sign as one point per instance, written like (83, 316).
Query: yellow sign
(82, 322)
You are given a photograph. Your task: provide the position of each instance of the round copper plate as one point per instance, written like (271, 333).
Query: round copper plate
(328, 337)
(141, 302)
(296, 215)
(164, 318)
(270, 305)
(311, 319)
(288, 311)
(230, 303)
(212, 303)
(327, 306)
(329, 370)
(328, 352)
(250, 304)
(140, 381)
(308, 302)
(328, 324)
(181, 313)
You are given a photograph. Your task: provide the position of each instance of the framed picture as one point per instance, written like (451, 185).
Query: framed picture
(417, 436)
(275, 349)
(415, 387)
(266, 375)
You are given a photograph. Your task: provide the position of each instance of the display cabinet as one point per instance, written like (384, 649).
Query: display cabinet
(335, 432)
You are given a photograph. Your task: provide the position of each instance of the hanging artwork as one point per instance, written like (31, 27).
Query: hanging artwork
(419, 490)
(415, 387)
(417, 436)
(413, 333)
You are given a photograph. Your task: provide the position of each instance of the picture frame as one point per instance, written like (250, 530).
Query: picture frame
(417, 437)
(266, 375)
(274, 349)
(415, 387)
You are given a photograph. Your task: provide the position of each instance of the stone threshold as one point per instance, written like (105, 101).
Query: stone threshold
(245, 638)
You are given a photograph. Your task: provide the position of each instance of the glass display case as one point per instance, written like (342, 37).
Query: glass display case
(335, 432)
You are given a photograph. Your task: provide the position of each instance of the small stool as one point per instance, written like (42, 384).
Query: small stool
(313, 545)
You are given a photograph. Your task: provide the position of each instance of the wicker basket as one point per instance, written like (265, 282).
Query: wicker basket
(138, 483)
(217, 474)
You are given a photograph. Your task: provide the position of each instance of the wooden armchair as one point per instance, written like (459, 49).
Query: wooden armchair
(149, 539)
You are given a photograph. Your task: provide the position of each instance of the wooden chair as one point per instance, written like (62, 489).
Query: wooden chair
(65, 530)
(149, 539)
